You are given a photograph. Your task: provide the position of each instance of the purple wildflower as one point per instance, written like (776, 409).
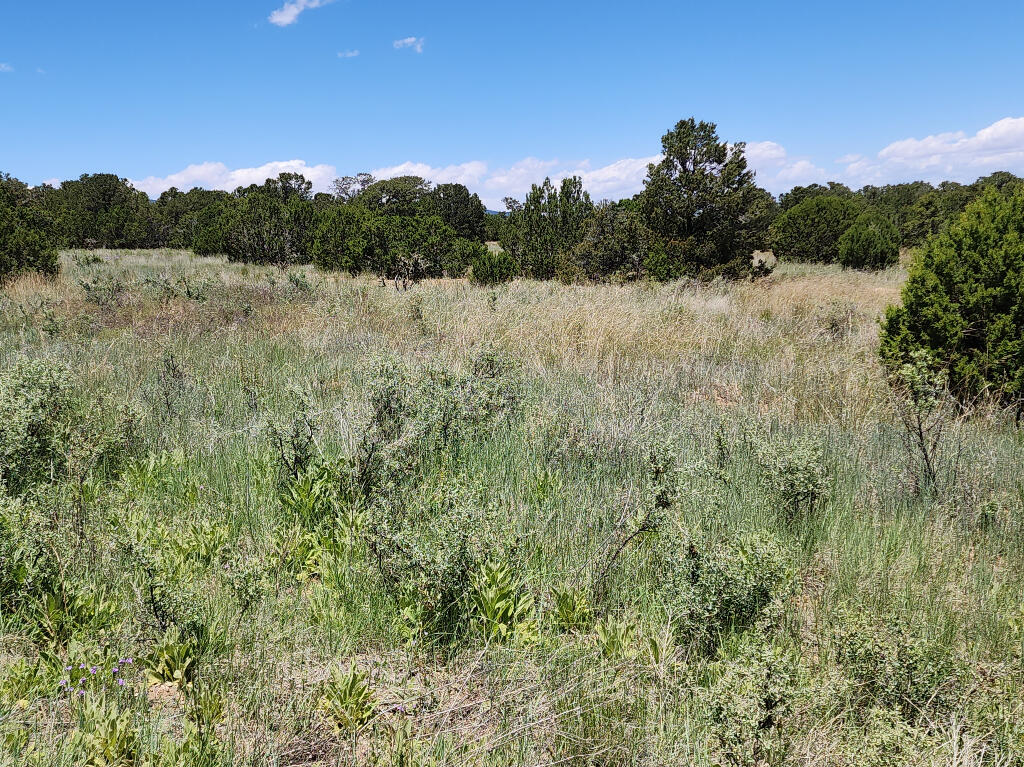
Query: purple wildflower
(120, 682)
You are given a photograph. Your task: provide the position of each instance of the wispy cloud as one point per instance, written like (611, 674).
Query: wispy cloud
(416, 43)
(6, 68)
(289, 13)
(348, 54)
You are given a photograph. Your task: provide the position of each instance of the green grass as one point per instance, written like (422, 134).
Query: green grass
(726, 618)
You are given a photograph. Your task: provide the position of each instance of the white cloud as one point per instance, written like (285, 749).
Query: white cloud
(777, 171)
(468, 173)
(6, 68)
(289, 12)
(622, 178)
(347, 54)
(416, 43)
(217, 175)
(953, 156)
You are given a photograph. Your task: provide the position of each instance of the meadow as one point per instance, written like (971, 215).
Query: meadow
(257, 516)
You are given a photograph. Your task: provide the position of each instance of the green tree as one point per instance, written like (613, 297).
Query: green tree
(492, 266)
(616, 244)
(257, 229)
(810, 230)
(798, 194)
(548, 225)
(103, 211)
(401, 196)
(963, 303)
(871, 243)
(457, 207)
(701, 200)
(25, 240)
(342, 239)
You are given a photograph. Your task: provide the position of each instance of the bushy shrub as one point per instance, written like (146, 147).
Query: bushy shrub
(726, 586)
(896, 669)
(492, 267)
(47, 428)
(428, 537)
(750, 703)
(811, 230)
(871, 243)
(795, 476)
(963, 302)
(25, 240)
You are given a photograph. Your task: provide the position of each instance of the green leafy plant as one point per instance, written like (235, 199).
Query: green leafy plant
(795, 476)
(571, 609)
(749, 704)
(504, 608)
(105, 736)
(347, 701)
(615, 637)
(172, 659)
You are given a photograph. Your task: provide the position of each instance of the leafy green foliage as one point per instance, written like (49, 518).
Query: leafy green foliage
(347, 700)
(872, 242)
(492, 267)
(727, 586)
(963, 302)
(811, 230)
(47, 428)
(795, 476)
(895, 668)
(750, 703)
(26, 243)
(702, 202)
(504, 607)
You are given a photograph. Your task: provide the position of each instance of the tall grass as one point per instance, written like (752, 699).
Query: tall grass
(897, 638)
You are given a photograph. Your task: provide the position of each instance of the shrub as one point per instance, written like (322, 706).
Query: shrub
(25, 242)
(811, 230)
(750, 702)
(894, 668)
(726, 586)
(38, 405)
(795, 476)
(428, 537)
(492, 267)
(871, 243)
(47, 427)
(963, 302)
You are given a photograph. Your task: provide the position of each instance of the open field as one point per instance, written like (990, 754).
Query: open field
(542, 524)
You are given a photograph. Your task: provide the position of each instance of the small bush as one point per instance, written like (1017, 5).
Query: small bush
(871, 243)
(47, 429)
(492, 267)
(726, 586)
(750, 703)
(896, 669)
(795, 476)
(963, 302)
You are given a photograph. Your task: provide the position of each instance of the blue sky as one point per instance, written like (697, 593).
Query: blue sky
(498, 95)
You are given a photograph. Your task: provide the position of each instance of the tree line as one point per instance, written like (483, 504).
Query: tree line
(700, 215)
